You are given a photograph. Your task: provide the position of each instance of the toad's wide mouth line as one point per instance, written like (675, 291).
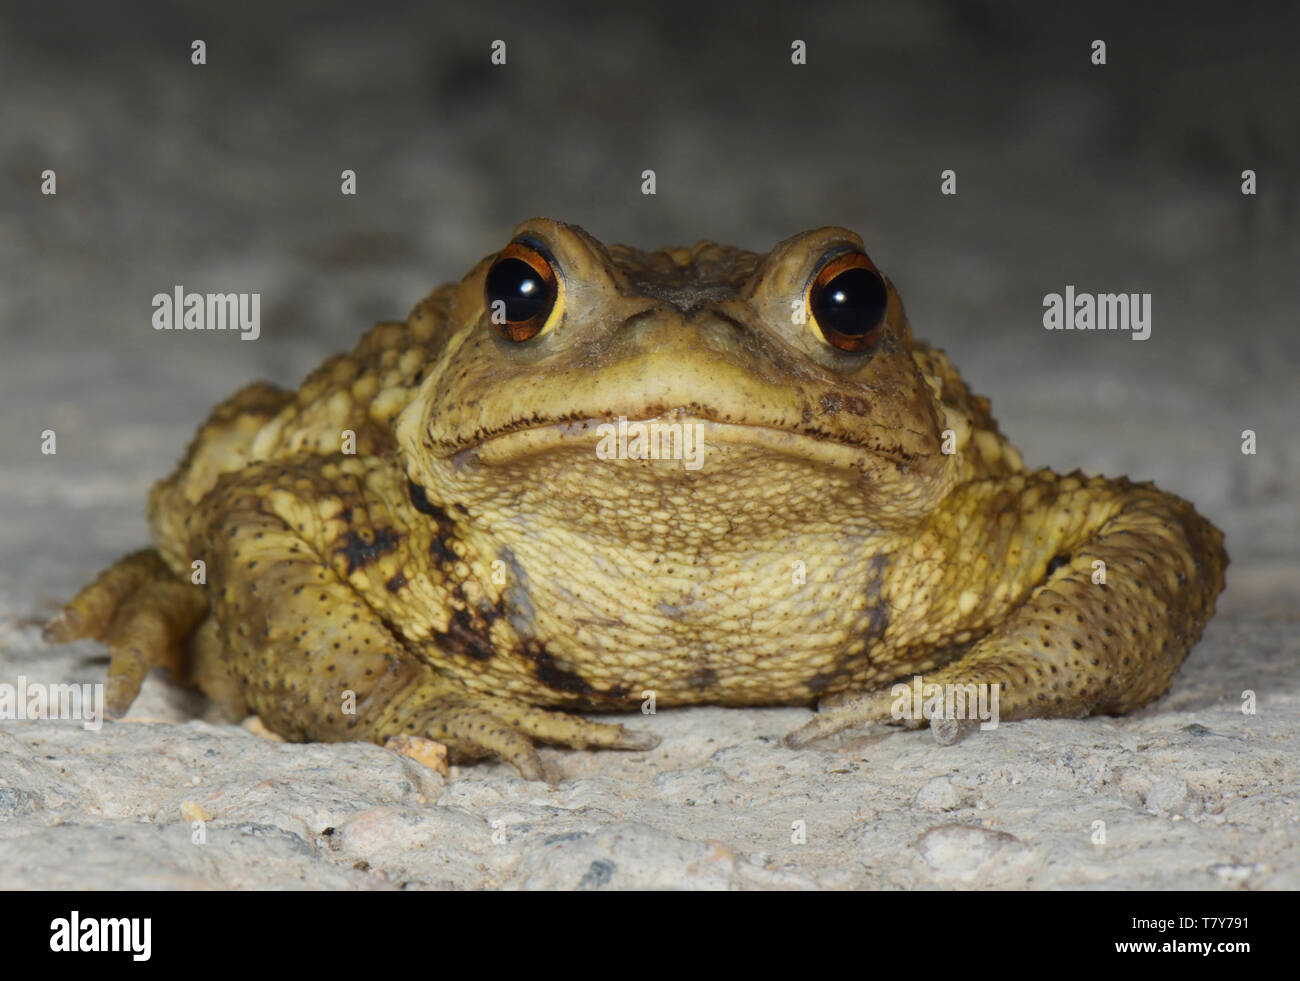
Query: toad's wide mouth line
(544, 436)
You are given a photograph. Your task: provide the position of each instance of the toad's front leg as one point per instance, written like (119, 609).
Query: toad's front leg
(285, 631)
(1074, 595)
(316, 660)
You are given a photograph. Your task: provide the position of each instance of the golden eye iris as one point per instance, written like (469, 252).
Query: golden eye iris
(848, 300)
(520, 292)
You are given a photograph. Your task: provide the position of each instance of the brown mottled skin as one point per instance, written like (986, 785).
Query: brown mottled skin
(474, 565)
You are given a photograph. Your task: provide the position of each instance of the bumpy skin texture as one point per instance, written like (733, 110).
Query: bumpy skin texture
(474, 565)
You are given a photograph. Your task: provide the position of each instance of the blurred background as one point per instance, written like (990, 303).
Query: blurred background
(225, 177)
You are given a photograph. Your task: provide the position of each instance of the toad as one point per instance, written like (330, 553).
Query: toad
(586, 474)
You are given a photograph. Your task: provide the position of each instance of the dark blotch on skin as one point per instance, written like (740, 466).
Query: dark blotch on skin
(396, 583)
(819, 682)
(552, 675)
(830, 404)
(1057, 562)
(877, 624)
(516, 605)
(468, 635)
(438, 549)
(420, 499)
(878, 618)
(440, 553)
(703, 678)
(361, 553)
(833, 402)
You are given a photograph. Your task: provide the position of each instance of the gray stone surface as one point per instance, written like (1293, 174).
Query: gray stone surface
(226, 177)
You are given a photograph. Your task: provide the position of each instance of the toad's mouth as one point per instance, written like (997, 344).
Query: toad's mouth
(681, 435)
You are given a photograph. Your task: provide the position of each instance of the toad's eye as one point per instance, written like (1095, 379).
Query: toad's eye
(848, 301)
(520, 292)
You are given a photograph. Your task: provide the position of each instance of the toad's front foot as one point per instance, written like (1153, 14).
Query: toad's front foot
(473, 727)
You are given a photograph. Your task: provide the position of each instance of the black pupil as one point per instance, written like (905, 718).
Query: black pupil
(851, 303)
(520, 287)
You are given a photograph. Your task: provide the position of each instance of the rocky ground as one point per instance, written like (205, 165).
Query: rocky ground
(1122, 177)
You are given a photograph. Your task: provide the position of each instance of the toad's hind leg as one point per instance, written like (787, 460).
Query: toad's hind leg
(316, 662)
(143, 612)
(1070, 644)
